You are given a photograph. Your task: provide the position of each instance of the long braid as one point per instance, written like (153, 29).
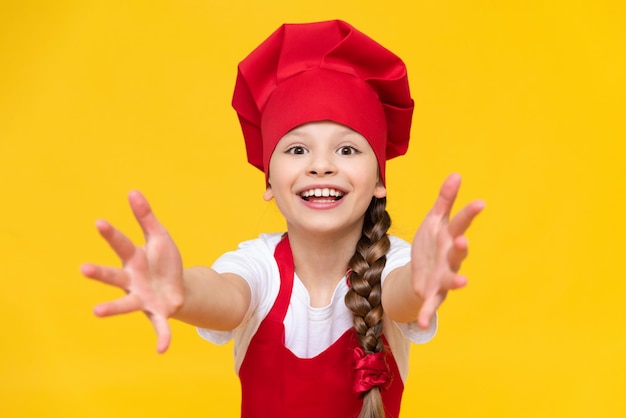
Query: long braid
(364, 296)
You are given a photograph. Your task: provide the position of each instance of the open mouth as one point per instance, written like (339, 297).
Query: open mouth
(325, 194)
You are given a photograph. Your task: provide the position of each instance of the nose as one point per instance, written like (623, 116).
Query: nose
(321, 165)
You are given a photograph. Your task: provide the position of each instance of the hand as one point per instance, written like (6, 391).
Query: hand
(439, 248)
(151, 275)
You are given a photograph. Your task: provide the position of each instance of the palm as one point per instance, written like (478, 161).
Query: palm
(151, 275)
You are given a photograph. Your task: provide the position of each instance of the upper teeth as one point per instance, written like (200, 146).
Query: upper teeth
(325, 192)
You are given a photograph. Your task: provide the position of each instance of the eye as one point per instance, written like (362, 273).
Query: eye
(347, 150)
(296, 150)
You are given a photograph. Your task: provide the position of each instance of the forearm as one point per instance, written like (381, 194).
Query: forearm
(400, 300)
(212, 300)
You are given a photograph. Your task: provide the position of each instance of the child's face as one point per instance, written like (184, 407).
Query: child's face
(323, 176)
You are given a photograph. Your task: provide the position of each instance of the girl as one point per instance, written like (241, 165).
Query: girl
(323, 315)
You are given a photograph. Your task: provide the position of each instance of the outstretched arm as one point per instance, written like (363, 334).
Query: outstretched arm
(416, 290)
(155, 283)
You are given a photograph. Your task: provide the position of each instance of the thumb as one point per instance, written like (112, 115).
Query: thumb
(163, 331)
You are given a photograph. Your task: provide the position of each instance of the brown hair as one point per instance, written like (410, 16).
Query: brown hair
(364, 296)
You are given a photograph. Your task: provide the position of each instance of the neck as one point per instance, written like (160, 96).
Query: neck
(321, 260)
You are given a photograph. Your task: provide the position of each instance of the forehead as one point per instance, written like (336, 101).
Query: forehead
(323, 130)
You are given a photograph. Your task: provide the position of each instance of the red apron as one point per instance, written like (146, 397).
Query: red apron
(275, 383)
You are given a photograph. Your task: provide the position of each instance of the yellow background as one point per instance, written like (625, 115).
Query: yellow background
(524, 98)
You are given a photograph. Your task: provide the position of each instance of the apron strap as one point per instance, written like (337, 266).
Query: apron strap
(284, 258)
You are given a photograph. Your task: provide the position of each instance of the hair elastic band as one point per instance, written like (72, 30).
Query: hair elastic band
(371, 370)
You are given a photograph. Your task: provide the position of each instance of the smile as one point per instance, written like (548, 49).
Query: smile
(325, 192)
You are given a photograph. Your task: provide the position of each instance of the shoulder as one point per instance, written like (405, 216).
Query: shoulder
(255, 251)
(398, 243)
(254, 261)
(264, 243)
(398, 255)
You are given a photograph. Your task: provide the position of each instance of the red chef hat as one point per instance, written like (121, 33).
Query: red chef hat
(322, 71)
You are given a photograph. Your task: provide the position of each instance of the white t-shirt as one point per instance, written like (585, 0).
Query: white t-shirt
(254, 262)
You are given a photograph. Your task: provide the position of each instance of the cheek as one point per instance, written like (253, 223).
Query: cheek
(277, 168)
(281, 180)
(283, 171)
(367, 173)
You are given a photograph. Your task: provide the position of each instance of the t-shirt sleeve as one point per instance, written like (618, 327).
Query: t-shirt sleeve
(399, 255)
(253, 262)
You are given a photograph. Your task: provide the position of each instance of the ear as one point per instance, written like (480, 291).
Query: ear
(268, 195)
(380, 190)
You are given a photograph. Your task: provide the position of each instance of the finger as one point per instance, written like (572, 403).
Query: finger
(164, 334)
(457, 281)
(447, 195)
(463, 219)
(126, 304)
(109, 275)
(428, 310)
(457, 253)
(452, 281)
(120, 243)
(144, 215)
